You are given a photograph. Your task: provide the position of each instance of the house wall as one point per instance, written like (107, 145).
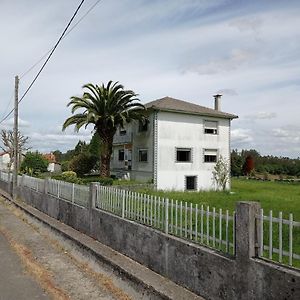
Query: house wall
(4, 160)
(176, 130)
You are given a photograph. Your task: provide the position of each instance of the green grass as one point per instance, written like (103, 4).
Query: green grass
(277, 196)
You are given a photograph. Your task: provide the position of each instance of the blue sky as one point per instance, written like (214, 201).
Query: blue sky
(247, 50)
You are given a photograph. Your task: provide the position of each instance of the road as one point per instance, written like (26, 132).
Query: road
(37, 264)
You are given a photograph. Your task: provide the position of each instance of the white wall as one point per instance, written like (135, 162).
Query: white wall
(4, 160)
(187, 131)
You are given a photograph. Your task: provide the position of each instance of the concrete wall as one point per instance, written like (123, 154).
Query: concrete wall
(177, 130)
(202, 270)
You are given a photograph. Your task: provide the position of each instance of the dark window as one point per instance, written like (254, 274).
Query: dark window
(191, 183)
(183, 155)
(143, 155)
(121, 155)
(143, 126)
(210, 131)
(122, 131)
(210, 156)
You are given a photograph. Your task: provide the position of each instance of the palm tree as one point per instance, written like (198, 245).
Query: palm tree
(106, 108)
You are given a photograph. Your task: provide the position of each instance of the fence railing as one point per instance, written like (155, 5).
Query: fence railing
(211, 227)
(36, 184)
(6, 177)
(75, 193)
(279, 238)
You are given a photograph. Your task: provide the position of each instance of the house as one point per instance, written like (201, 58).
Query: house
(4, 161)
(53, 166)
(177, 148)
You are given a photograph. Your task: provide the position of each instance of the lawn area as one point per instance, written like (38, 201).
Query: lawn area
(277, 196)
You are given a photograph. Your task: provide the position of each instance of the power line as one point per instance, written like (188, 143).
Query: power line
(46, 61)
(67, 33)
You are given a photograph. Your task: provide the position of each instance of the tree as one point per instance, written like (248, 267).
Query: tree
(8, 141)
(221, 173)
(82, 163)
(106, 108)
(95, 145)
(34, 163)
(81, 147)
(248, 165)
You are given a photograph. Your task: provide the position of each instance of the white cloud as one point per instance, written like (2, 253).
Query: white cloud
(262, 115)
(241, 137)
(229, 92)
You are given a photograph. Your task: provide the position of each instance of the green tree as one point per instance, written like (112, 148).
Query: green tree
(95, 145)
(82, 163)
(106, 108)
(34, 162)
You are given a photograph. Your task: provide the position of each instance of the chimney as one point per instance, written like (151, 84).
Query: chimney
(217, 101)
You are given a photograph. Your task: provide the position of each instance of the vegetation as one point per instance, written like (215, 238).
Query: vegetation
(34, 163)
(245, 161)
(221, 173)
(82, 163)
(106, 108)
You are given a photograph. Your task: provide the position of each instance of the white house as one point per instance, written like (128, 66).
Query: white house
(4, 161)
(177, 149)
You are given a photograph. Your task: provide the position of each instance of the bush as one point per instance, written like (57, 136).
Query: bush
(82, 164)
(68, 176)
(34, 163)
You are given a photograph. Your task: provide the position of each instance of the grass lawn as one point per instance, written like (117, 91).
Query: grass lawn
(277, 196)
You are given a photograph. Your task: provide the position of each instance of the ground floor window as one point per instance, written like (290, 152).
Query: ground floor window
(121, 155)
(190, 183)
(143, 155)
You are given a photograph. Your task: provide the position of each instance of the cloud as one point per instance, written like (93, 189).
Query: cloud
(252, 24)
(288, 134)
(229, 92)
(241, 137)
(9, 123)
(262, 115)
(232, 61)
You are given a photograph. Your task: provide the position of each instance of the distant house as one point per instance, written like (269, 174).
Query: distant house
(177, 149)
(4, 161)
(53, 166)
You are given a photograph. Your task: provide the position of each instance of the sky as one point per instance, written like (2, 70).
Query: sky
(249, 51)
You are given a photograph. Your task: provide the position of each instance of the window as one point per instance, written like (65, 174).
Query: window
(143, 155)
(143, 126)
(190, 183)
(210, 155)
(121, 155)
(210, 127)
(183, 154)
(122, 131)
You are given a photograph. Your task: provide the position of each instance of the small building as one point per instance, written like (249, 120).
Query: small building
(53, 166)
(177, 148)
(4, 161)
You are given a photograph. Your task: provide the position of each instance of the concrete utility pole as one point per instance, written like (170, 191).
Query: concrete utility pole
(16, 150)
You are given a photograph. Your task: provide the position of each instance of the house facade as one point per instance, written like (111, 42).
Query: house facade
(177, 149)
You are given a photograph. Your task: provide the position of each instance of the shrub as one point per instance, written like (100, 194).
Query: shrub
(101, 180)
(82, 163)
(34, 163)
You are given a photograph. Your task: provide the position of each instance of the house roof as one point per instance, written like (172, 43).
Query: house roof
(176, 105)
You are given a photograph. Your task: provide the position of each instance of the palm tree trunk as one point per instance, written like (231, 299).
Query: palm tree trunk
(106, 152)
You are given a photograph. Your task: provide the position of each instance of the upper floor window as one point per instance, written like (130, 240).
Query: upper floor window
(183, 154)
(122, 131)
(210, 155)
(143, 155)
(143, 126)
(210, 127)
(121, 154)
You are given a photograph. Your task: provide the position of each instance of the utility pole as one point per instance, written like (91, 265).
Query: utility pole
(16, 142)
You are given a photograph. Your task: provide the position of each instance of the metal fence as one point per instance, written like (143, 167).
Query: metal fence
(75, 193)
(6, 177)
(210, 227)
(279, 238)
(36, 184)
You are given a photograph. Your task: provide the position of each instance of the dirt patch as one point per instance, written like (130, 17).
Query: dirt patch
(42, 276)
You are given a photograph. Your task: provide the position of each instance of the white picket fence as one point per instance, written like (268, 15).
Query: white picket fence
(277, 237)
(192, 222)
(36, 184)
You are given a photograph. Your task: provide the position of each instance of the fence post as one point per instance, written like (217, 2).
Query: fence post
(247, 230)
(167, 216)
(92, 196)
(123, 204)
(46, 185)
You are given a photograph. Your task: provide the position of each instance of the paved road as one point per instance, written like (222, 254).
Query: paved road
(15, 282)
(37, 264)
